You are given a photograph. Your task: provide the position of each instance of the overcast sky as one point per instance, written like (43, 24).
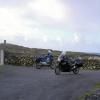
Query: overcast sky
(72, 25)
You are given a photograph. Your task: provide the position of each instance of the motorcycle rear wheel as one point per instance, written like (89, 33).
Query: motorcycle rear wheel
(38, 66)
(76, 71)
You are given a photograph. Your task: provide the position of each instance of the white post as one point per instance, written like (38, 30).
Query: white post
(1, 57)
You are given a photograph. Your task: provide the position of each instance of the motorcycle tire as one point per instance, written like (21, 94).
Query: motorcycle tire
(76, 71)
(57, 71)
(38, 66)
(52, 66)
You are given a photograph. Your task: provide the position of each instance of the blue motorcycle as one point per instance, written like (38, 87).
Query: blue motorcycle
(44, 61)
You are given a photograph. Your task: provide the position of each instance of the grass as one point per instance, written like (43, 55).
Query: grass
(1, 68)
(97, 85)
(95, 88)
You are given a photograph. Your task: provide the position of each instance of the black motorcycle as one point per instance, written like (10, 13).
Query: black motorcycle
(68, 66)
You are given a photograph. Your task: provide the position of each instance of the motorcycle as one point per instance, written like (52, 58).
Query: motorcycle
(44, 61)
(68, 66)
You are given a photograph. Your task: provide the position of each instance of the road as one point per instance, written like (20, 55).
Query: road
(28, 83)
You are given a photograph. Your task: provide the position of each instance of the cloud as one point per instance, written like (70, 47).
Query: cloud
(77, 38)
(50, 8)
(14, 20)
(51, 24)
(11, 22)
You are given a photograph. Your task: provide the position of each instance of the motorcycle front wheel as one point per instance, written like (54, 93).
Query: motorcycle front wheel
(52, 66)
(57, 71)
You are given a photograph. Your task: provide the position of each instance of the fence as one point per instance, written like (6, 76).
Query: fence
(1, 57)
(91, 64)
(23, 59)
(20, 59)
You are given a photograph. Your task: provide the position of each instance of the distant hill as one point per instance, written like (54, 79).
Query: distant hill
(36, 51)
(25, 50)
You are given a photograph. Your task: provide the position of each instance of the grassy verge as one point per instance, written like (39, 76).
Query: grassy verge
(1, 68)
(95, 88)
